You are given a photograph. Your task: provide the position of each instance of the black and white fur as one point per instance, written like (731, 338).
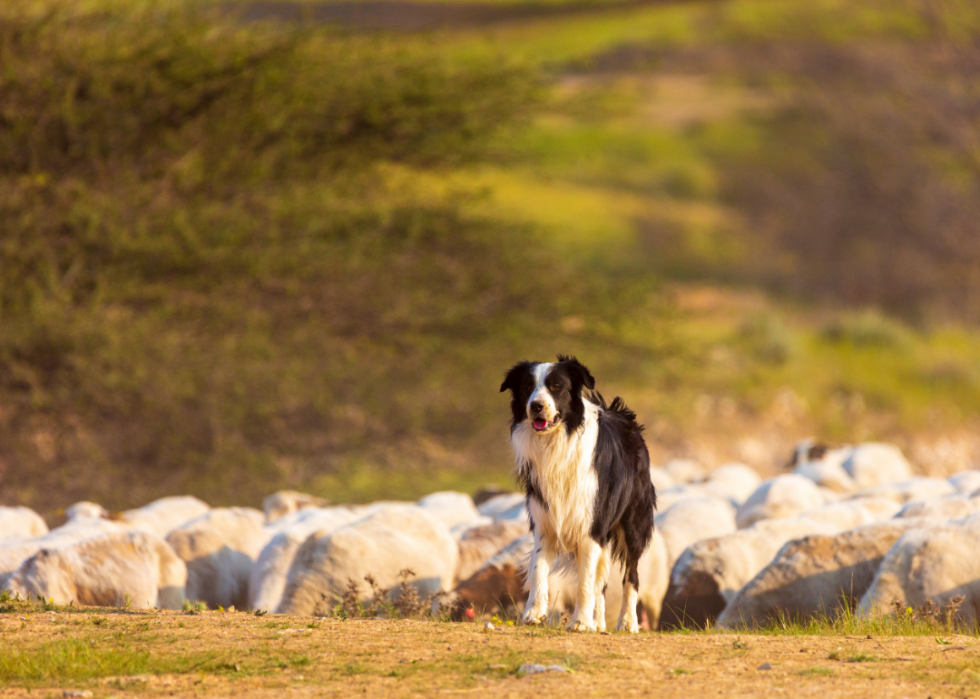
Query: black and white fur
(586, 472)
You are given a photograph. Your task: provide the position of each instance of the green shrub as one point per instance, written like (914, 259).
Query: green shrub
(867, 329)
(217, 266)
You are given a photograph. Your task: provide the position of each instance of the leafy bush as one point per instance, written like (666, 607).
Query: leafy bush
(867, 328)
(225, 271)
(215, 252)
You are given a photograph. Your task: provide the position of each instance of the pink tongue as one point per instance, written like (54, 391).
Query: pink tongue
(540, 424)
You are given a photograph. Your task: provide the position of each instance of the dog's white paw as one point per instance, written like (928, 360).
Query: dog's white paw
(628, 626)
(580, 626)
(535, 617)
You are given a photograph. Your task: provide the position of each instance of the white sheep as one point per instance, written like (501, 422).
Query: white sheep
(966, 482)
(463, 528)
(693, 519)
(809, 451)
(684, 471)
(872, 464)
(710, 572)
(86, 510)
(219, 549)
(815, 576)
(854, 513)
(285, 502)
(781, 497)
(918, 488)
(449, 507)
(935, 564)
(15, 551)
(660, 478)
(846, 469)
(828, 473)
(678, 493)
(945, 507)
(118, 569)
(380, 545)
(734, 482)
(161, 516)
(21, 521)
(505, 506)
(267, 580)
(498, 584)
(480, 543)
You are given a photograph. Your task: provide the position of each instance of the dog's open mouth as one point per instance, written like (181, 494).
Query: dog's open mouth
(542, 425)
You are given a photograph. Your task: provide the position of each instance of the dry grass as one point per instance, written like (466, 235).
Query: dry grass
(229, 653)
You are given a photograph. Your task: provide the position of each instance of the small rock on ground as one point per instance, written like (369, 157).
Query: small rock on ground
(534, 668)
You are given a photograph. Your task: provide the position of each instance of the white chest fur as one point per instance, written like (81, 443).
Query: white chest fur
(560, 467)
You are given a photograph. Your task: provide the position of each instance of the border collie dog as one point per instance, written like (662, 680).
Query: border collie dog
(586, 472)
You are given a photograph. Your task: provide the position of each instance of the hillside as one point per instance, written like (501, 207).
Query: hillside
(242, 255)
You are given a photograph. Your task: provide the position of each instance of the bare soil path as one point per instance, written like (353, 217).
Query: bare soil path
(230, 654)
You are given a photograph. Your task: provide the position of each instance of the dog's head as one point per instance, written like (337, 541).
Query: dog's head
(548, 394)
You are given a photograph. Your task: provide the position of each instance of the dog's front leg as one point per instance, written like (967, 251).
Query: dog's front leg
(542, 560)
(583, 619)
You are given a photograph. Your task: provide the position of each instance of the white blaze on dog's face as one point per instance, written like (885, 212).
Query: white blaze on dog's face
(541, 408)
(548, 394)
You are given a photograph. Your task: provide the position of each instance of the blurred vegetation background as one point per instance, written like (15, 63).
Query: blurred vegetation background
(260, 244)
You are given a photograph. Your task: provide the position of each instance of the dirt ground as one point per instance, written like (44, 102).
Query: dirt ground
(114, 653)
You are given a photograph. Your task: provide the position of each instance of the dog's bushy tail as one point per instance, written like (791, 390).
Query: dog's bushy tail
(618, 405)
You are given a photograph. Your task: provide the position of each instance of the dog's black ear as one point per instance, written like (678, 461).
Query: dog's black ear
(577, 367)
(514, 376)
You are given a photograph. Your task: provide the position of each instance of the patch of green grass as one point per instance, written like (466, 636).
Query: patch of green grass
(910, 622)
(78, 659)
(863, 657)
(15, 604)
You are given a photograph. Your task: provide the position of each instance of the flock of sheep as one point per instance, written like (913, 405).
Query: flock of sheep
(849, 528)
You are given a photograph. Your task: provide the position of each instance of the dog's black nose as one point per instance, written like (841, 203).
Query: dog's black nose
(537, 407)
